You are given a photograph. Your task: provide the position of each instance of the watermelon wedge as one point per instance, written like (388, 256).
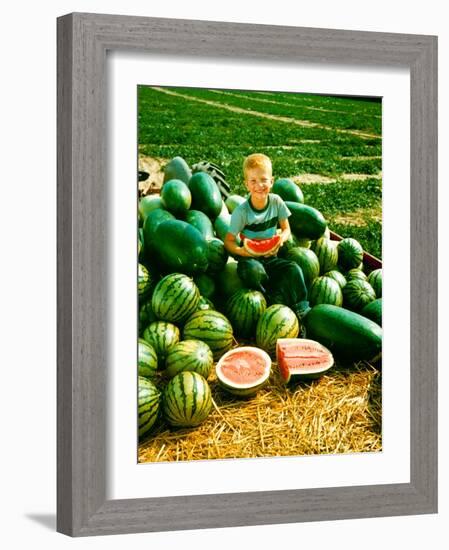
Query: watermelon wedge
(299, 358)
(261, 247)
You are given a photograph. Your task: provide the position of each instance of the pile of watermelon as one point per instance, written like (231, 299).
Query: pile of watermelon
(195, 304)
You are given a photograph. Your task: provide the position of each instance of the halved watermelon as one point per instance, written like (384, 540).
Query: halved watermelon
(300, 358)
(243, 371)
(261, 247)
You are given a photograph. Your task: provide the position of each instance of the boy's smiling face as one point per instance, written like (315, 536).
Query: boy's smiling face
(259, 181)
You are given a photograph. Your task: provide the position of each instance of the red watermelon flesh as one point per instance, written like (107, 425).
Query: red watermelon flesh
(298, 357)
(261, 247)
(243, 370)
(243, 367)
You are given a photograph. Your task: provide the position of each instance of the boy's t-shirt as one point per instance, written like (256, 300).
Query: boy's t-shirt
(259, 224)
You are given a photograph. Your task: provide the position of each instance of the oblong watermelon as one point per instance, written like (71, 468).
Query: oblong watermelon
(180, 248)
(200, 221)
(306, 221)
(176, 197)
(345, 333)
(205, 194)
(288, 190)
(177, 168)
(373, 311)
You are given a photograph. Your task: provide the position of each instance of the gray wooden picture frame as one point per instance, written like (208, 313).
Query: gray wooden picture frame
(83, 41)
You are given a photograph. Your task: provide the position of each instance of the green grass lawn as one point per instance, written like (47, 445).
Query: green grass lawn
(336, 140)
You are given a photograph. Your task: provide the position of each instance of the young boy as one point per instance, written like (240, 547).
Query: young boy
(258, 218)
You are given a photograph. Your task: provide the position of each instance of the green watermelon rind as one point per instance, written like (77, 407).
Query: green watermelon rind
(327, 254)
(149, 405)
(373, 311)
(375, 280)
(175, 297)
(357, 294)
(189, 355)
(244, 309)
(325, 290)
(186, 400)
(307, 260)
(347, 334)
(350, 253)
(277, 321)
(146, 359)
(162, 335)
(211, 327)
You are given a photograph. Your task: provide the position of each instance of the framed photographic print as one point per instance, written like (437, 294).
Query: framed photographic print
(193, 364)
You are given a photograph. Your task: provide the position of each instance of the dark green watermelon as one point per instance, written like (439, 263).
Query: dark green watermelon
(205, 194)
(180, 247)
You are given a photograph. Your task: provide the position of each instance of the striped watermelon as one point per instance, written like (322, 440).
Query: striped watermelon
(212, 328)
(325, 290)
(244, 309)
(307, 260)
(350, 253)
(175, 297)
(149, 401)
(357, 294)
(277, 321)
(356, 273)
(144, 282)
(187, 400)
(337, 276)
(189, 355)
(162, 336)
(217, 256)
(327, 254)
(375, 280)
(147, 359)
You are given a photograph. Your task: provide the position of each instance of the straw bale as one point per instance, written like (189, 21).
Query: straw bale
(341, 412)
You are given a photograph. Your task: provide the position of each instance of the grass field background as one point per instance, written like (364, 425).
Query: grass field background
(330, 146)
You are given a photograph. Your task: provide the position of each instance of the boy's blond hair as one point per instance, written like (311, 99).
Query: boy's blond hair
(256, 160)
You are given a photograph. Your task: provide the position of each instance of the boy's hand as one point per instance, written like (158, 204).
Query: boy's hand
(241, 251)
